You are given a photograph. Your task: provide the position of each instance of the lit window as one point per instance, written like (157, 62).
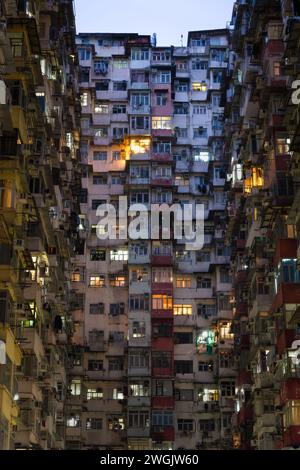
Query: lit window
(162, 302)
(94, 393)
(138, 329)
(76, 387)
(183, 310)
(84, 99)
(225, 331)
(119, 255)
(75, 277)
(161, 122)
(94, 424)
(97, 281)
(183, 283)
(101, 108)
(197, 86)
(118, 281)
(276, 69)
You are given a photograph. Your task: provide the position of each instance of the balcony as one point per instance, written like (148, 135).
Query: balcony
(138, 259)
(157, 181)
(139, 287)
(137, 181)
(290, 390)
(162, 344)
(165, 372)
(162, 157)
(163, 434)
(139, 109)
(138, 432)
(139, 402)
(139, 371)
(163, 403)
(139, 86)
(162, 313)
(30, 390)
(12, 349)
(7, 405)
(161, 260)
(32, 343)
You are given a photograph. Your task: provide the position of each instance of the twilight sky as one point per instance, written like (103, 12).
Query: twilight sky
(168, 18)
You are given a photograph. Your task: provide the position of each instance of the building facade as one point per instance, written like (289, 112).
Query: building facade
(39, 137)
(263, 231)
(153, 350)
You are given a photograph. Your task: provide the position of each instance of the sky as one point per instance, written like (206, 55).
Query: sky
(169, 19)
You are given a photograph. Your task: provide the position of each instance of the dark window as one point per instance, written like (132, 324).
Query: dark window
(184, 367)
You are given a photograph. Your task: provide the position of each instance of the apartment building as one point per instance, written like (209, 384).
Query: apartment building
(152, 364)
(39, 137)
(263, 213)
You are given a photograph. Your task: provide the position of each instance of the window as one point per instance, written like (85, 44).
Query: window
(117, 281)
(99, 179)
(161, 360)
(208, 395)
(183, 338)
(197, 109)
(84, 99)
(138, 360)
(75, 277)
(161, 56)
(203, 283)
(118, 394)
(162, 147)
(139, 389)
(181, 132)
(184, 367)
(276, 69)
(162, 275)
(161, 99)
(162, 302)
(102, 85)
(200, 133)
(183, 282)
(97, 309)
(17, 47)
(120, 86)
(94, 393)
(101, 67)
(226, 360)
(139, 54)
(138, 197)
(199, 64)
(225, 277)
(119, 109)
(197, 86)
(84, 54)
(139, 100)
(101, 133)
(76, 387)
(140, 275)
(161, 122)
(162, 330)
(139, 172)
(139, 303)
(228, 389)
(138, 329)
(94, 424)
(100, 156)
(184, 395)
(140, 122)
(225, 331)
(207, 425)
(119, 132)
(205, 366)
(96, 336)
(162, 77)
(182, 108)
(183, 310)
(97, 254)
(95, 366)
(117, 309)
(116, 364)
(74, 421)
(97, 281)
(185, 425)
(101, 108)
(119, 255)
(181, 87)
(116, 156)
(162, 418)
(120, 64)
(206, 311)
(138, 419)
